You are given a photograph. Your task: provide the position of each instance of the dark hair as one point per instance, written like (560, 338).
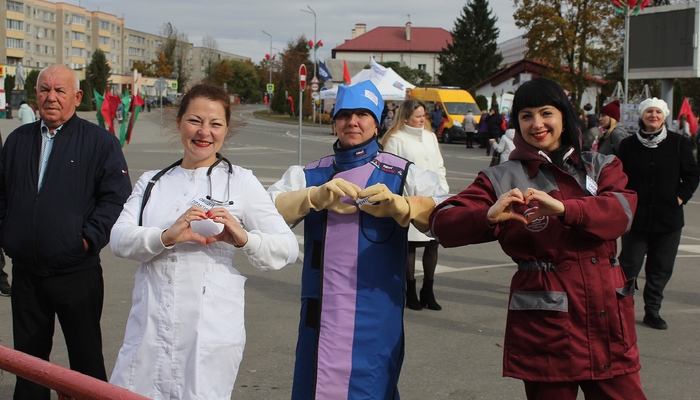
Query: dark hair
(210, 92)
(542, 92)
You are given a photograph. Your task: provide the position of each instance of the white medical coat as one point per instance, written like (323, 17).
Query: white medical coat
(185, 333)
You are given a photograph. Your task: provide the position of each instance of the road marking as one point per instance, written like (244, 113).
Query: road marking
(691, 238)
(690, 248)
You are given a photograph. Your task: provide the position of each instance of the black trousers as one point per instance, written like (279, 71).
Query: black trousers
(660, 250)
(76, 299)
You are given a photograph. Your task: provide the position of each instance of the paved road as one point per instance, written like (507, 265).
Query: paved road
(455, 353)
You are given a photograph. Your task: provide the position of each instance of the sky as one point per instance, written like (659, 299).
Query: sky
(237, 25)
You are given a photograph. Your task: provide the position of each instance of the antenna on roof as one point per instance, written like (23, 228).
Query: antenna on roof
(409, 17)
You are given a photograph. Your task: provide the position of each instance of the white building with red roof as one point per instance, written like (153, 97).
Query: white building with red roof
(418, 48)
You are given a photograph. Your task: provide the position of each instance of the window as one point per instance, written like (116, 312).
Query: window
(14, 25)
(13, 43)
(47, 16)
(38, 48)
(119, 46)
(29, 11)
(29, 46)
(158, 43)
(46, 49)
(89, 24)
(53, 17)
(46, 32)
(78, 52)
(39, 32)
(67, 18)
(88, 54)
(113, 43)
(37, 13)
(15, 6)
(53, 51)
(53, 34)
(103, 40)
(67, 51)
(88, 40)
(421, 67)
(118, 31)
(79, 36)
(104, 25)
(38, 64)
(29, 29)
(67, 36)
(78, 20)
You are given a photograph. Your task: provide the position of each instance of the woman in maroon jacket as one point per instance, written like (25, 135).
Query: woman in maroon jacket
(557, 211)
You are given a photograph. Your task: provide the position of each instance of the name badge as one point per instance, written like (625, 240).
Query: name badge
(591, 186)
(202, 201)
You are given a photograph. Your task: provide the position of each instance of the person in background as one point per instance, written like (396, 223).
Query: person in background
(505, 145)
(436, 118)
(5, 287)
(494, 122)
(185, 333)
(482, 134)
(661, 169)
(351, 337)
(26, 114)
(410, 140)
(590, 135)
(388, 120)
(613, 132)
(557, 212)
(63, 183)
(684, 126)
(469, 126)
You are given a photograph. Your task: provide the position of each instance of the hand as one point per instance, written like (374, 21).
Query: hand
(680, 203)
(328, 196)
(547, 205)
(502, 210)
(390, 204)
(233, 233)
(181, 231)
(85, 243)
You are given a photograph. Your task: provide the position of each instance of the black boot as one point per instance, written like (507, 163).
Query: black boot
(411, 296)
(427, 298)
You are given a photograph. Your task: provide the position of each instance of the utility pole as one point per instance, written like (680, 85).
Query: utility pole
(269, 65)
(314, 13)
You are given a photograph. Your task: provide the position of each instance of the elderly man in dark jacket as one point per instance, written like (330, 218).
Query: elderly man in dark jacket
(63, 182)
(494, 122)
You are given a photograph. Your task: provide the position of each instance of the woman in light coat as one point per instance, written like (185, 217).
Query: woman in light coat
(409, 139)
(185, 333)
(26, 114)
(505, 145)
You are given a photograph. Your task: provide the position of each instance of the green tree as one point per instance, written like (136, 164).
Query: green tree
(481, 101)
(279, 101)
(415, 76)
(245, 80)
(291, 59)
(473, 54)
(308, 106)
(175, 51)
(210, 57)
(86, 102)
(573, 36)
(97, 72)
(9, 86)
(145, 68)
(30, 84)
(221, 74)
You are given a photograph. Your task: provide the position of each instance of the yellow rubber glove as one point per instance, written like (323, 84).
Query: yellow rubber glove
(402, 209)
(295, 205)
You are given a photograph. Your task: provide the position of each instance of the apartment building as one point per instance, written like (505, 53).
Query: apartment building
(204, 55)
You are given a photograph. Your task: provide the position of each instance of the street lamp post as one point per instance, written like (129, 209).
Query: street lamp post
(269, 66)
(314, 13)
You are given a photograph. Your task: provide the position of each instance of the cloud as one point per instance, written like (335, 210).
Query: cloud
(237, 25)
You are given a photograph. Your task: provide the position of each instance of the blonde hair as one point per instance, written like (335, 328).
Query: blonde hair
(404, 111)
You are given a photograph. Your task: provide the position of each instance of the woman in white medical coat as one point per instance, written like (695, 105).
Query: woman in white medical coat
(185, 333)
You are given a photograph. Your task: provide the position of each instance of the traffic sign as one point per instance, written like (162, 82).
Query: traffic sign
(160, 85)
(315, 95)
(270, 87)
(302, 77)
(173, 85)
(314, 86)
(315, 80)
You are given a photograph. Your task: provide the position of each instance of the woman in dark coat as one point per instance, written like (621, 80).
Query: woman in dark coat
(661, 169)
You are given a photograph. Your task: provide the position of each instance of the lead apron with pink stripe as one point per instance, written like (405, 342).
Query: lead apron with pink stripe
(351, 332)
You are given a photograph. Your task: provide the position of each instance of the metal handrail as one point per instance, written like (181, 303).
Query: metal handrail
(63, 380)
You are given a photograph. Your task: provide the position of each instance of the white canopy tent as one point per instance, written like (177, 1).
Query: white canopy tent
(391, 86)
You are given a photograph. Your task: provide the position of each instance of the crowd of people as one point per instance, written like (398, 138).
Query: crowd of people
(65, 193)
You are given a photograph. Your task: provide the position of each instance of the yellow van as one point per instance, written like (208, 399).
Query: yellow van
(455, 103)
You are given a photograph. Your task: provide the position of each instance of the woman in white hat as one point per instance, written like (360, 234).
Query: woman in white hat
(661, 169)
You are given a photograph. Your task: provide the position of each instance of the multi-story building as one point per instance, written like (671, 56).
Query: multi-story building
(39, 33)
(205, 56)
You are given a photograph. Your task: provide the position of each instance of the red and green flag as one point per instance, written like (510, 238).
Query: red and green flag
(109, 109)
(126, 100)
(136, 107)
(99, 99)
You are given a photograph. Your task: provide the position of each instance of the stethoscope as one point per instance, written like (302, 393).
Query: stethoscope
(219, 159)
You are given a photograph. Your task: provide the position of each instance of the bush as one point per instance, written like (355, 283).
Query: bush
(326, 119)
